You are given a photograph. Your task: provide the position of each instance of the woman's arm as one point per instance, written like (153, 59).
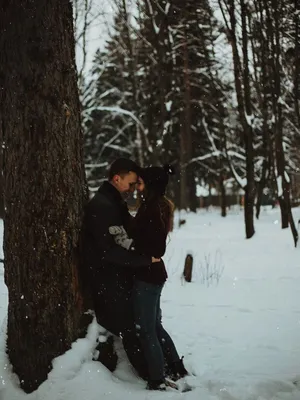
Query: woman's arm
(150, 232)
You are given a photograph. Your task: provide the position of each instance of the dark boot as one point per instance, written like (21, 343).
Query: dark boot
(156, 385)
(135, 353)
(176, 370)
(106, 354)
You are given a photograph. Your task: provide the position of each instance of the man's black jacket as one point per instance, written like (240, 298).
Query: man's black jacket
(110, 266)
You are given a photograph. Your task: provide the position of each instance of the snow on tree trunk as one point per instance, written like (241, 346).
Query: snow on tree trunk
(44, 183)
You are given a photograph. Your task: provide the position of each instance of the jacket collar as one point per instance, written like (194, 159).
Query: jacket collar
(109, 190)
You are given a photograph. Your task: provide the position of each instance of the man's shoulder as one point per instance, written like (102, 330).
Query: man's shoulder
(100, 202)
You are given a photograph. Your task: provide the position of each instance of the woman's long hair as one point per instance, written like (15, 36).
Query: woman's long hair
(169, 205)
(166, 206)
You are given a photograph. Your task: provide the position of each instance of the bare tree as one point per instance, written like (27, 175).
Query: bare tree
(297, 61)
(274, 11)
(86, 14)
(243, 93)
(185, 129)
(141, 138)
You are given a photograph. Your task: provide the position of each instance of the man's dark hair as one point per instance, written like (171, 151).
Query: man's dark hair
(122, 166)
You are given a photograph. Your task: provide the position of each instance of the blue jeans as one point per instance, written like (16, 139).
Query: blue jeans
(156, 343)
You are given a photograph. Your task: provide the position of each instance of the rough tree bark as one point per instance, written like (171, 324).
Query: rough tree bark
(44, 183)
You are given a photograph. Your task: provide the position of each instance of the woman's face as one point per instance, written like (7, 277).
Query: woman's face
(140, 186)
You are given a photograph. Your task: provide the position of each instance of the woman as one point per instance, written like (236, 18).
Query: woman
(149, 233)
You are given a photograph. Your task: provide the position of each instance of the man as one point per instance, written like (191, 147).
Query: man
(110, 266)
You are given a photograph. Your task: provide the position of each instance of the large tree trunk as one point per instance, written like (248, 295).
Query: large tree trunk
(44, 183)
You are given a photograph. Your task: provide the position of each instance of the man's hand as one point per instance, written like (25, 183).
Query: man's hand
(155, 260)
(116, 230)
(120, 236)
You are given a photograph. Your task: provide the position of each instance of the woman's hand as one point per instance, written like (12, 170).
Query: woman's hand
(155, 260)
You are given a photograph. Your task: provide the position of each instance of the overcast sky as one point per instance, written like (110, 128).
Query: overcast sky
(97, 34)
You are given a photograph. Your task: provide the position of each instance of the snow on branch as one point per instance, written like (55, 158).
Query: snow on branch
(210, 138)
(286, 177)
(116, 110)
(155, 27)
(119, 148)
(241, 181)
(237, 155)
(111, 141)
(279, 185)
(107, 92)
(250, 120)
(167, 8)
(216, 153)
(100, 165)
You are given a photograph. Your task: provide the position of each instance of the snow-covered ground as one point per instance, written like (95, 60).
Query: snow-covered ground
(237, 323)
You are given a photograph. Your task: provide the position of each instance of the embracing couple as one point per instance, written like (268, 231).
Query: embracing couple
(125, 268)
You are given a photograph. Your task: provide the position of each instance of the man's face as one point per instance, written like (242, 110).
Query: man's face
(126, 183)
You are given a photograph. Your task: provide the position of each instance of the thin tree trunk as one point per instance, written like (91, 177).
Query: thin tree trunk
(297, 63)
(44, 183)
(183, 174)
(273, 25)
(248, 131)
(263, 61)
(192, 195)
(185, 138)
(242, 85)
(292, 224)
(282, 177)
(157, 21)
(280, 158)
(223, 196)
(140, 139)
(260, 188)
(1, 172)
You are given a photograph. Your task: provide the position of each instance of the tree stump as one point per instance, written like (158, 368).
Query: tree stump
(188, 268)
(181, 222)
